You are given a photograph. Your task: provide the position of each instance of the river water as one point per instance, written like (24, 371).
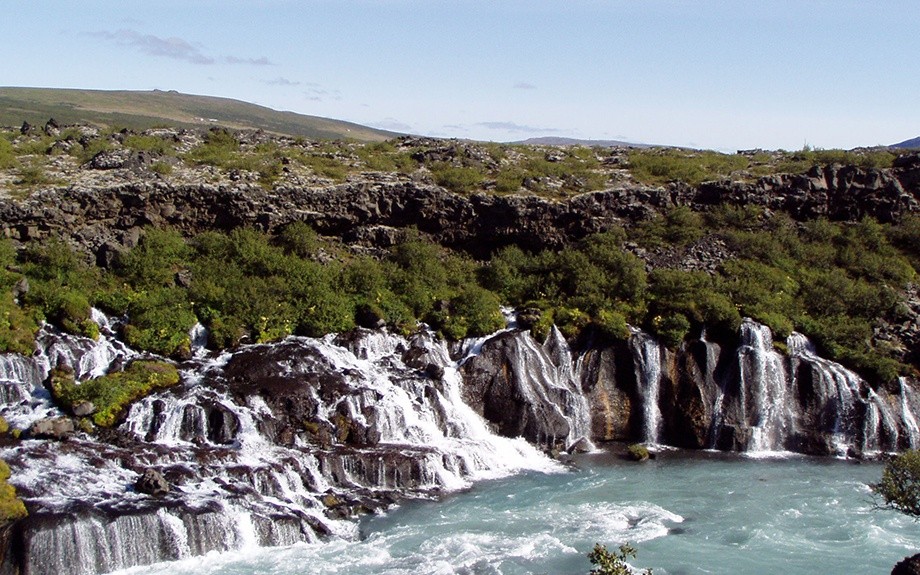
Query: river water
(685, 513)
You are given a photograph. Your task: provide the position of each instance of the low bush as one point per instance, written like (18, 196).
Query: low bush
(457, 179)
(693, 167)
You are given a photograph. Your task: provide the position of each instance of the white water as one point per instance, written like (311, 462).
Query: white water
(796, 516)
(248, 490)
(649, 358)
(764, 385)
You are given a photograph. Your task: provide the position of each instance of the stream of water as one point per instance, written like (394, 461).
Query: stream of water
(685, 513)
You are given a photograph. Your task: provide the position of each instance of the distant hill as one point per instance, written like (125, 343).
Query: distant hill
(913, 143)
(555, 141)
(140, 110)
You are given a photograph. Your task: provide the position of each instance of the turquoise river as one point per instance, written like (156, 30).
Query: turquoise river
(686, 513)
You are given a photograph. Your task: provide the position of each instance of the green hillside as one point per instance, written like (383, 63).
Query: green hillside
(140, 110)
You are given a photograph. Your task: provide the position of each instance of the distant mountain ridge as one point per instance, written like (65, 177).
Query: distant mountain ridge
(907, 144)
(557, 141)
(146, 109)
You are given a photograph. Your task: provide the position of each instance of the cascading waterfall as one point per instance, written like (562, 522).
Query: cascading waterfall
(909, 402)
(852, 414)
(764, 385)
(273, 444)
(649, 360)
(234, 483)
(575, 405)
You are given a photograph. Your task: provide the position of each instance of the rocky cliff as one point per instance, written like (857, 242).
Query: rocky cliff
(369, 209)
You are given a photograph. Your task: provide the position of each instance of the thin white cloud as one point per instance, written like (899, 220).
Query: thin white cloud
(281, 81)
(524, 86)
(261, 61)
(393, 125)
(173, 47)
(513, 127)
(316, 93)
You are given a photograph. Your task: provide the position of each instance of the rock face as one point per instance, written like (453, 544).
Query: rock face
(509, 383)
(908, 566)
(367, 210)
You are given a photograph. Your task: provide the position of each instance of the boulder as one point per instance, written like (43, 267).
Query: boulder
(84, 408)
(52, 428)
(908, 566)
(152, 482)
(113, 159)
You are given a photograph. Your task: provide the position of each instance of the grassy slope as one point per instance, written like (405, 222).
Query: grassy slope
(139, 110)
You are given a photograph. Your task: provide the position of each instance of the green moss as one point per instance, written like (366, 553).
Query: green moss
(113, 393)
(11, 507)
(638, 452)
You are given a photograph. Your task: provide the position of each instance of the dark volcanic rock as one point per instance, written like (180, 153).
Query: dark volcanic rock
(371, 211)
(908, 566)
(507, 384)
(152, 482)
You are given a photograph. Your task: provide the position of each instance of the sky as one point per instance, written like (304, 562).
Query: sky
(715, 74)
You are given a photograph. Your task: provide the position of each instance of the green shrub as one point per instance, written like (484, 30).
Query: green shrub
(672, 328)
(17, 327)
(219, 148)
(473, 312)
(112, 394)
(151, 144)
(680, 226)
(159, 320)
(899, 487)
(7, 155)
(299, 239)
(608, 563)
(326, 167)
(161, 168)
(153, 263)
(509, 180)
(612, 324)
(32, 175)
(693, 167)
(459, 180)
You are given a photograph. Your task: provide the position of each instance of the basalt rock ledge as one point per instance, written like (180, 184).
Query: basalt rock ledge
(369, 209)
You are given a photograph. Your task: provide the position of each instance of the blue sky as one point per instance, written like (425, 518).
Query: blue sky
(716, 74)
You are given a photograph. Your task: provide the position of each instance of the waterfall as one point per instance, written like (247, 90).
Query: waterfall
(261, 446)
(765, 401)
(198, 336)
(575, 403)
(849, 412)
(909, 402)
(648, 357)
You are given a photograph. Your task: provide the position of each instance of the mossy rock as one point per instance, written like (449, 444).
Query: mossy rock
(638, 452)
(111, 394)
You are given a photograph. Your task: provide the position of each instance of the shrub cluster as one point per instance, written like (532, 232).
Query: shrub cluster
(831, 281)
(11, 507)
